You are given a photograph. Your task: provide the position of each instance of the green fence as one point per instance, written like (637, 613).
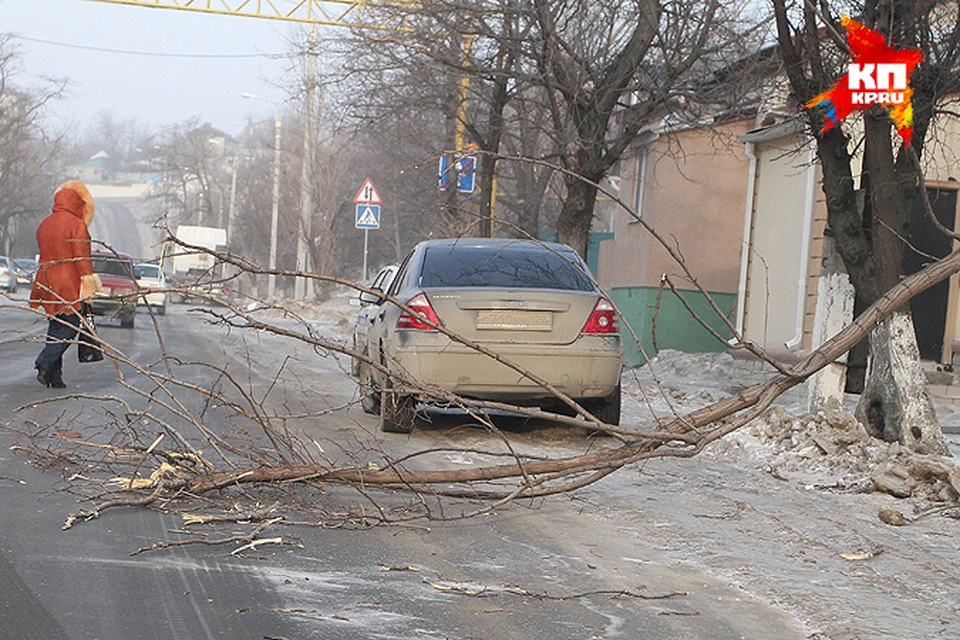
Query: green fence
(675, 328)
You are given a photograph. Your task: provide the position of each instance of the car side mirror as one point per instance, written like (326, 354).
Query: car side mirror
(370, 298)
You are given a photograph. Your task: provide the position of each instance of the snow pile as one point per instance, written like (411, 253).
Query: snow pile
(835, 447)
(676, 383)
(333, 313)
(690, 372)
(828, 449)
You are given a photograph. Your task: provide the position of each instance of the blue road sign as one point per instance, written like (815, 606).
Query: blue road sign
(466, 173)
(368, 216)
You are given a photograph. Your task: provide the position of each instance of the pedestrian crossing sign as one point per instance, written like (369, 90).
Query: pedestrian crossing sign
(368, 216)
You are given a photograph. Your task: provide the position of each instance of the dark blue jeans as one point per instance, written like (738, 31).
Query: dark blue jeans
(62, 330)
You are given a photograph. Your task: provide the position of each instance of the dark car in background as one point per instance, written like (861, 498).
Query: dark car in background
(119, 296)
(530, 303)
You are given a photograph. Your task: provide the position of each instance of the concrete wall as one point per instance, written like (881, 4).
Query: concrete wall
(135, 190)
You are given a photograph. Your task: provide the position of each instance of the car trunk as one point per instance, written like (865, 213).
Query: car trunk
(506, 316)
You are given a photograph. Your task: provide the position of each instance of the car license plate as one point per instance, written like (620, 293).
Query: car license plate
(515, 320)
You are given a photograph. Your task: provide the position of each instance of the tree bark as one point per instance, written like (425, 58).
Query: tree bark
(896, 404)
(573, 224)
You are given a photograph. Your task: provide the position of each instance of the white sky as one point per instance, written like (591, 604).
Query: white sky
(155, 90)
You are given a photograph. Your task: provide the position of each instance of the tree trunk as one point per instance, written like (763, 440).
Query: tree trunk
(896, 405)
(573, 224)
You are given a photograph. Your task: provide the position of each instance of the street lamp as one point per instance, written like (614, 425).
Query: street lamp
(274, 214)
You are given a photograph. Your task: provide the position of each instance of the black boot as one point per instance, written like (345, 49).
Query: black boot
(42, 376)
(56, 381)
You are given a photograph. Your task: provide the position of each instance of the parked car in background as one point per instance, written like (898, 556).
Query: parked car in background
(152, 284)
(8, 275)
(119, 296)
(369, 308)
(26, 270)
(531, 303)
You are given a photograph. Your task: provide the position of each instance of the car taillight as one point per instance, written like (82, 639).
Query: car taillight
(421, 305)
(603, 319)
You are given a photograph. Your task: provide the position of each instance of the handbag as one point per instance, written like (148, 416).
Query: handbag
(88, 345)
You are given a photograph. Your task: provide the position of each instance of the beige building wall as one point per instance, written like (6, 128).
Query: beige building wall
(693, 193)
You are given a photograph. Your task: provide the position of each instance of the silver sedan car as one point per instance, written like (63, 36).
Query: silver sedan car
(532, 305)
(8, 275)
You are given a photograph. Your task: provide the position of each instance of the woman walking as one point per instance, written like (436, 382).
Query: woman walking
(65, 276)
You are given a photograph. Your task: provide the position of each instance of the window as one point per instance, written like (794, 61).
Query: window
(521, 266)
(639, 182)
(146, 271)
(112, 266)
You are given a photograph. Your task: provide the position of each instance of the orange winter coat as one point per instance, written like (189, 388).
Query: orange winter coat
(64, 243)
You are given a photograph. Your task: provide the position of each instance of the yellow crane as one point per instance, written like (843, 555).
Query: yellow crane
(358, 14)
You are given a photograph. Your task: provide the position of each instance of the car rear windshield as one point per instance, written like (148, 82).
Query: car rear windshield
(112, 266)
(521, 266)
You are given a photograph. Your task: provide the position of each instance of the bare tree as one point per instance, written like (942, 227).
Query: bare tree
(190, 156)
(870, 231)
(125, 140)
(29, 154)
(609, 70)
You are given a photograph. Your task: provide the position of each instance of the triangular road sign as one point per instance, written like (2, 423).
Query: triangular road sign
(367, 194)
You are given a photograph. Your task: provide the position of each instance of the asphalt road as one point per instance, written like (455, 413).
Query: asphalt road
(123, 224)
(544, 570)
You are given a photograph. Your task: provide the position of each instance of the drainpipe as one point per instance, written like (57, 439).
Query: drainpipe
(748, 149)
(797, 339)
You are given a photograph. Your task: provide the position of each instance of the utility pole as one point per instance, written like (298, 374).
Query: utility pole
(303, 287)
(231, 212)
(275, 212)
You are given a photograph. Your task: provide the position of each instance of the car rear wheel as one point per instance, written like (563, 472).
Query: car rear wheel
(127, 322)
(607, 409)
(162, 310)
(369, 394)
(397, 411)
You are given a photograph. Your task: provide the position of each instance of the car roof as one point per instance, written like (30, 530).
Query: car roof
(100, 253)
(493, 243)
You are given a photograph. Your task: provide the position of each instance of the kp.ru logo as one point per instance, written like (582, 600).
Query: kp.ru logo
(878, 75)
(873, 77)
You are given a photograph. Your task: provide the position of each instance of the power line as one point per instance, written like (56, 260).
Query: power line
(153, 54)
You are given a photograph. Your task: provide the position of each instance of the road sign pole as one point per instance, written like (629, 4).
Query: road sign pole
(366, 244)
(368, 216)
